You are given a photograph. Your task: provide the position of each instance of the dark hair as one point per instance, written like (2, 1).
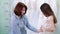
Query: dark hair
(19, 7)
(47, 11)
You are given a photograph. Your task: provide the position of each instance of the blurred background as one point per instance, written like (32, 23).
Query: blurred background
(33, 13)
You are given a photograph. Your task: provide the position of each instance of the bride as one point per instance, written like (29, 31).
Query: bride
(48, 20)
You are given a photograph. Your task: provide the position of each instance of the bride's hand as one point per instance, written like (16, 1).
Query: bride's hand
(40, 30)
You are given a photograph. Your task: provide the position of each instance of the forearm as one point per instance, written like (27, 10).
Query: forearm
(32, 28)
(50, 29)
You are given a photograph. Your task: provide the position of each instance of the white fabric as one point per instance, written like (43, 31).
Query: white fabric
(43, 23)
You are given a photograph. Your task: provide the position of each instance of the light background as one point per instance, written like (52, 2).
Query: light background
(33, 13)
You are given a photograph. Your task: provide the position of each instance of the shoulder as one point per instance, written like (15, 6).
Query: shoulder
(25, 17)
(13, 18)
(50, 18)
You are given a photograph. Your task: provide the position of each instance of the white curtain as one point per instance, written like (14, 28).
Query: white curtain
(34, 12)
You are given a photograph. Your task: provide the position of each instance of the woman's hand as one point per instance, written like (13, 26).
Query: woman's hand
(40, 30)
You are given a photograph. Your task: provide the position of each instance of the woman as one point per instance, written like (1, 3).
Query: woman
(49, 18)
(19, 20)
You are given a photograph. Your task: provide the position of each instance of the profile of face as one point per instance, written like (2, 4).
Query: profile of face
(46, 9)
(22, 11)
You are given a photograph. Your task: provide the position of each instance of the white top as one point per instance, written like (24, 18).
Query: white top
(46, 22)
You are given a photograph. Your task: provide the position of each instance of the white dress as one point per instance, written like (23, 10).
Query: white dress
(43, 23)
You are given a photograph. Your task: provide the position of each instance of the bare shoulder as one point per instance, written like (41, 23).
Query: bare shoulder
(50, 19)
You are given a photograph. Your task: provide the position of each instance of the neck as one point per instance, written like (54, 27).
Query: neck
(20, 17)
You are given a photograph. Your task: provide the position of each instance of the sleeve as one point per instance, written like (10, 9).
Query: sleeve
(11, 25)
(29, 26)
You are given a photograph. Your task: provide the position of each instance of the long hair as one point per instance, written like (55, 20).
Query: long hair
(19, 7)
(47, 11)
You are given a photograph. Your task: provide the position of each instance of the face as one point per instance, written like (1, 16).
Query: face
(23, 11)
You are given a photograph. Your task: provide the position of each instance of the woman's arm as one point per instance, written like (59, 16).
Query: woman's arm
(31, 27)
